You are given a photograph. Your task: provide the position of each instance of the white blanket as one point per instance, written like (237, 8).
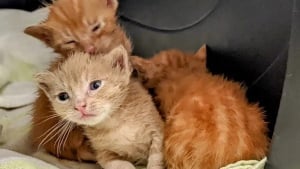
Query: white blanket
(21, 56)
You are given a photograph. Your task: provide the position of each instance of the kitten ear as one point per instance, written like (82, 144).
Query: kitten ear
(40, 32)
(144, 67)
(140, 64)
(201, 53)
(120, 59)
(112, 4)
(43, 81)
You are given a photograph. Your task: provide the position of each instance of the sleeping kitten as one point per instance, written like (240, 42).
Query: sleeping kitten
(209, 121)
(85, 25)
(80, 25)
(116, 112)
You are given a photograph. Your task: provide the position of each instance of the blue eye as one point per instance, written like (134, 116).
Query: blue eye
(63, 96)
(95, 84)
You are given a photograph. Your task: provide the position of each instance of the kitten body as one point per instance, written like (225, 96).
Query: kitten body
(209, 121)
(116, 112)
(73, 25)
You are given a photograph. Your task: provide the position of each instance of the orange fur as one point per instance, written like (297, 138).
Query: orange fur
(73, 20)
(209, 121)
(78, 25)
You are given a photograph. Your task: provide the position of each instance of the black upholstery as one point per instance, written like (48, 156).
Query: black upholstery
(248, 41)
(285, 152)
(20, 4)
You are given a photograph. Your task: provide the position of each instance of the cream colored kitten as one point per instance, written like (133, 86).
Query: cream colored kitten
(117, 113)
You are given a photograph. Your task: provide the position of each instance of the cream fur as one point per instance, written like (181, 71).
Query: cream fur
(126, 127)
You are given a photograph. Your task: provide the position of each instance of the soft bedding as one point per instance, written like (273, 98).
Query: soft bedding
(20, 57)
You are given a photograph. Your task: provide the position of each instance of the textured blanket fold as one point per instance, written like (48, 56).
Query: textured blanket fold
(13, 160)
(249, 164)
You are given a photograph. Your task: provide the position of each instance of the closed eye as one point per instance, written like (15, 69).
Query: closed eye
(95, 28)
(70, 42)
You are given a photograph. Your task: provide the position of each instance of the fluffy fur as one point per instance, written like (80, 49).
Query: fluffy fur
(119, 116)
(209, 122)
(72, 20)
(80, 25)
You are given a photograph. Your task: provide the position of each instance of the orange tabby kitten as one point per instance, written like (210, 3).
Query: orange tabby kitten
(81, 25)
(209, 121)
(116, 112)
(73, 25)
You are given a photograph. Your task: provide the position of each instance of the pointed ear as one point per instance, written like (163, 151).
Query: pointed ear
(119, 59)
(148, 72)
(43, 81)
(201, 53)
(145, 68)
(40, 32)
(140, 64)
(112, 4)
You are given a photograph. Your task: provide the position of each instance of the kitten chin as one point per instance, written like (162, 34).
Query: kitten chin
(209, 121)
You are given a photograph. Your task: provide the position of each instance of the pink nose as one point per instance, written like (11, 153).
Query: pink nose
(91, 49)
(81, 106)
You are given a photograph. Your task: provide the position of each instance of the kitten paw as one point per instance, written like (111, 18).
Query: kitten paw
(156, 167)
(155, 161)
(119, 164)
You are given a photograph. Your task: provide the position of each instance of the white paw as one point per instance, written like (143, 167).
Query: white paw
(155, 161)
(156, 167)
(119, 164)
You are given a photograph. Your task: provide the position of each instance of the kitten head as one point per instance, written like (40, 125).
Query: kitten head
(87, 89)
(78, 25)
(151, 71)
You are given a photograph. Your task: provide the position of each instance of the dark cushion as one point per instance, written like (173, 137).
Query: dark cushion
(21, 4)
(285, 150)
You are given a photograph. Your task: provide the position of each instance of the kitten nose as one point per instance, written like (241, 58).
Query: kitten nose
(91, 49)
(80, 106)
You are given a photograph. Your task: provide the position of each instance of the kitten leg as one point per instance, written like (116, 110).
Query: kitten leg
(111, 160)
(155, 159)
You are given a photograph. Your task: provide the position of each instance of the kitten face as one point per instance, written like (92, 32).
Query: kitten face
(78, 25)
(151, 71)
(88, 89)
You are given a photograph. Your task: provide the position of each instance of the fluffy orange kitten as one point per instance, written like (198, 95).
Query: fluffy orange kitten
(72, 25)
(81, 25)
(116, 112)
(209, 121)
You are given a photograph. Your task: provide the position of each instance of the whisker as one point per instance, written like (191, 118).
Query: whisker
(48, 118)
(61, 132)
(58, 125)
(69, 129)
(50, 129)
(64, 136)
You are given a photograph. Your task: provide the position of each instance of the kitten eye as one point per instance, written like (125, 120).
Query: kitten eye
(63, 96)
(95, 84)
(95, 28)
(70, 42)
